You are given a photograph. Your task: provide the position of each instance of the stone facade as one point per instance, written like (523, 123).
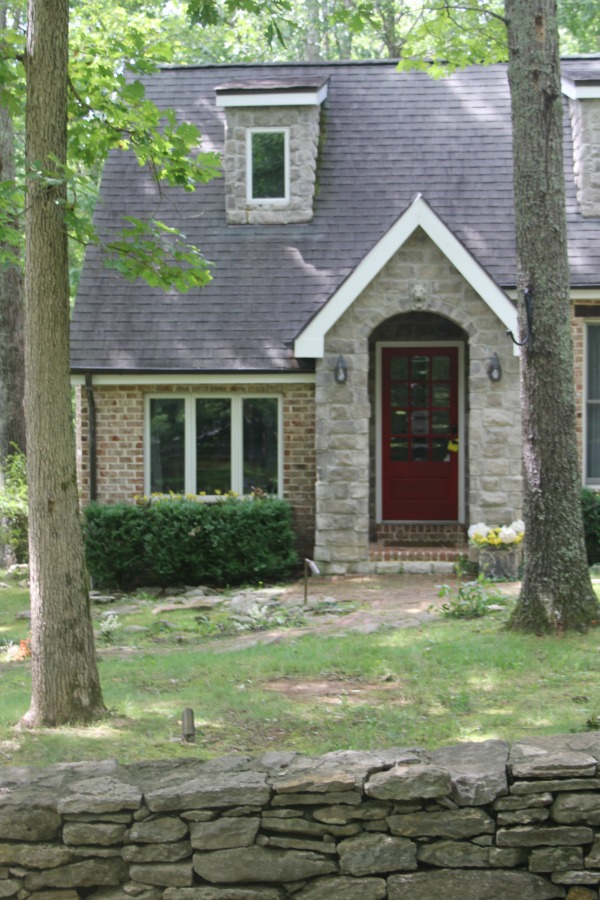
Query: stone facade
(303, 124)
(472, 821)
(585, 122)
(418, 278)
(120, 444)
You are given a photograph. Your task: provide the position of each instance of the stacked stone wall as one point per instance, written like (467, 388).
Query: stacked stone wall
(484, 821)
(120, 444)
(585, 123)
(418, 278)
(303, 123)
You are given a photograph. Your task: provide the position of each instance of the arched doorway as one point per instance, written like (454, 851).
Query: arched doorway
(419, 425)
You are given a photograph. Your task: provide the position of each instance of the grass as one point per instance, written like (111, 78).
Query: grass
(446, 681)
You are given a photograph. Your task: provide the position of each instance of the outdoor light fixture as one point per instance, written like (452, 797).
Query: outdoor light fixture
(341, 370)
(494, 368)
(188, 728)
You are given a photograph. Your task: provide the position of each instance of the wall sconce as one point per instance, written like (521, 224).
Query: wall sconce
(494, 368)
(340, 372)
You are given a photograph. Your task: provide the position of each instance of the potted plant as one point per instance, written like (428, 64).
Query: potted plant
(499, 549)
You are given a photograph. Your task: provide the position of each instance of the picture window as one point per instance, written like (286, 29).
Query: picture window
(211, 445)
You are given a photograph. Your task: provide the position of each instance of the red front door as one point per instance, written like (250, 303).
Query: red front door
(420, 434)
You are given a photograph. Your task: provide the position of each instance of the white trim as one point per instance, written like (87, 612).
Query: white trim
(197, 378)
(594, 484)
(576, 294)
(579, 91)
(237, 424)
(461, 424)
(311, 341)
(261, 201)
(271, 98)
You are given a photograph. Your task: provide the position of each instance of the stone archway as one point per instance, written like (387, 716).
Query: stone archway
(419, 282)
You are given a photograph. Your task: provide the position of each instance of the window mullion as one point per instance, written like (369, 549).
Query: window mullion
(237, 445)
(190, 445)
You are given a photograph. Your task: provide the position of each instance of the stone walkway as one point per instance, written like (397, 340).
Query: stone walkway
(384, 601)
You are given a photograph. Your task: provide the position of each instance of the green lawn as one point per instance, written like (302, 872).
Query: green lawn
(447, 681)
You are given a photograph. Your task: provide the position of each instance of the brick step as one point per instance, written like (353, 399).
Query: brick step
(411, 553)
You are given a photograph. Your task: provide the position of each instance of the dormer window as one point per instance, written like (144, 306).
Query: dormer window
(267, 165)
(271, 148)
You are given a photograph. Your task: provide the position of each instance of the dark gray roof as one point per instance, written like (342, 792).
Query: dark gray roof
(387, 137)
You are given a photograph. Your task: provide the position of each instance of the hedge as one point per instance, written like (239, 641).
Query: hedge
(590, 501)
(179, 541)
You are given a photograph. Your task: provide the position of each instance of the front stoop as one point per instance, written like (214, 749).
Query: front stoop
(414, 560)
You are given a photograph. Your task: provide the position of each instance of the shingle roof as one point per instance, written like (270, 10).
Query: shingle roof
(387, 136)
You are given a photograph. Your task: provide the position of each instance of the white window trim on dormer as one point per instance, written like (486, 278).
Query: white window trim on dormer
(270, 201)
(577, 90)
(273, 98)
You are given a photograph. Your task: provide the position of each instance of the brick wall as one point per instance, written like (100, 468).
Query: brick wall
(120, 444)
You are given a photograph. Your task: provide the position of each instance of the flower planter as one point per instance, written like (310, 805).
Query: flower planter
(500, 564)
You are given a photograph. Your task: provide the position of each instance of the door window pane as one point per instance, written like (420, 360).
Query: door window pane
(420, 368)
(260, 445)
(399, 421)
(440, 368)
(398, 450)
(439, 451)
(440, 421)
(440, 394)
(167, 446)
(268, 165)
(420, 451)
(420, 394)
(213, 446)
(399, 368)
(399, 394)
(420, 421)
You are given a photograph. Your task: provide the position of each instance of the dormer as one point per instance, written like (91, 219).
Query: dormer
(271, 146)
(582, 87)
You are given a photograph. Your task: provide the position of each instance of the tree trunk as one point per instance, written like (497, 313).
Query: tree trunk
(557, 592)
(65, 683)
(12, 377)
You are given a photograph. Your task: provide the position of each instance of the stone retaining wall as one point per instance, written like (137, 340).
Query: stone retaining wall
(485, 821)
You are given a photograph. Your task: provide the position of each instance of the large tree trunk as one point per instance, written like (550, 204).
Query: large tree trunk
(12, 377)
(65, 683)
(557, 591)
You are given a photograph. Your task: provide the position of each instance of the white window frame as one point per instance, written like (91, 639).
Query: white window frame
(593, 483)
(281, 201)
(237, 438)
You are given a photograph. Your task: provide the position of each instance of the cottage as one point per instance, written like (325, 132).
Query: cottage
(352, 352)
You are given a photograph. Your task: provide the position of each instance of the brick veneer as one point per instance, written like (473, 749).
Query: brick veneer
(120, 444)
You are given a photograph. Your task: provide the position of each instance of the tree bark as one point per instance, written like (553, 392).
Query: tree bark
(12, 375)
(557, 591)
(65, 682)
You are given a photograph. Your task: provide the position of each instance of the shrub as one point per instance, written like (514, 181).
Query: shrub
(114, 544)
(471, 600)
(14, 511)
(180, 541)
(590, 501)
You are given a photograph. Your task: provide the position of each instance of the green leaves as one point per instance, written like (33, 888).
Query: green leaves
(447, 36)
(158, 254)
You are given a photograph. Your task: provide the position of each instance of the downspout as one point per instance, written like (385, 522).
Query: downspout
(91, 402)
